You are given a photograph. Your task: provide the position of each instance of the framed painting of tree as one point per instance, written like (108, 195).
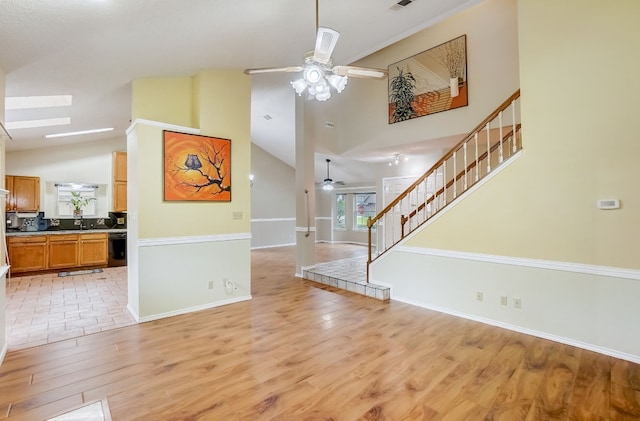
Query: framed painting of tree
(196, 167)
(429, 82)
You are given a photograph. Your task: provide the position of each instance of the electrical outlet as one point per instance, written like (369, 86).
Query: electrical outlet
(479, 296)
(210, 284)
(517, 303)
(503, 300)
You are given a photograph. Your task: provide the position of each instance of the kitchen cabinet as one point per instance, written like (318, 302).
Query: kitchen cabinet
(24, 193)
(119, 181)
(93, 249)
(31, 253)
(28, 253)
(63, 251)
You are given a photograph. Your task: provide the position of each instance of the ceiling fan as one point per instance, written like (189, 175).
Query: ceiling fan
(328, 183)
(319, 74)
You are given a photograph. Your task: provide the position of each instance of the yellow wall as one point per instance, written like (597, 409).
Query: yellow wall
(168, 100)
(184, 253)
(578, 73)
(223, 110)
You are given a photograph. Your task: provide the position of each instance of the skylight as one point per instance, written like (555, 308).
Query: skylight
(29, 124)
(25, 102)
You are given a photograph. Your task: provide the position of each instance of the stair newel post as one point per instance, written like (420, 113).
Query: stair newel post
(488, 150)
(500, 156)
(475, 136)
(513, 130)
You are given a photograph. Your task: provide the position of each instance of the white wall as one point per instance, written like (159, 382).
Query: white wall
(273, 207)
(576, 304)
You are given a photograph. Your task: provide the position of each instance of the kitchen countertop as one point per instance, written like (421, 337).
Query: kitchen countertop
(56, 232)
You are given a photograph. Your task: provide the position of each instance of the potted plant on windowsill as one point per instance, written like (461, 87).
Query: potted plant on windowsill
(78, 202)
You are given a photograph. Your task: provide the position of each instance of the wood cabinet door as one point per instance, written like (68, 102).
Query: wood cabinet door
(63, 251)
(93, 250)
(119, 196)
(11, 199)
(28, 254)
(26, 193)
(120, 166)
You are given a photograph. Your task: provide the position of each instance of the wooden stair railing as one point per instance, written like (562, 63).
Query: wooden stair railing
(437, 189)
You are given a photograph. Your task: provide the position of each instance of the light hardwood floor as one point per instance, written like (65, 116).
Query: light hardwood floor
(299, 351)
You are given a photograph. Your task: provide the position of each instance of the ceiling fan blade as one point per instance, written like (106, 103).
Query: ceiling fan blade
(326, 41)
(364, 72)
(289, 69)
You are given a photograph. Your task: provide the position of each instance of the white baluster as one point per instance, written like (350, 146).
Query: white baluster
(513, 116)
(424, 199)
(488, 150)
(455, 174)
(500, 156)
(444, 182)
(477, 164)
(465, 166)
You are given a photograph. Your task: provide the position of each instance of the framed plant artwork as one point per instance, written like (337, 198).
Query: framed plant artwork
(196, 167)
(429, 82)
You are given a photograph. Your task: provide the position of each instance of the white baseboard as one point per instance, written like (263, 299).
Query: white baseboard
(273, 246)
(192, 309)
(133, 313)
(543, 335)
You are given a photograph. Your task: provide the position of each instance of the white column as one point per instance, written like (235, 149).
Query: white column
(305, 202)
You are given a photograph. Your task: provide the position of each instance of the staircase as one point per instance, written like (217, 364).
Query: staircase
(489, 145)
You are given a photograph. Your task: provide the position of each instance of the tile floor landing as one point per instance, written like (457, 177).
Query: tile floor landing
(348, 274)
(42, 309)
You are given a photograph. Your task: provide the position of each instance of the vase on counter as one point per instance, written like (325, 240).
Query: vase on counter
(77, 213)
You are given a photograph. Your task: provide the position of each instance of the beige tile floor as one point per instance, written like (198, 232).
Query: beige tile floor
(47, 308)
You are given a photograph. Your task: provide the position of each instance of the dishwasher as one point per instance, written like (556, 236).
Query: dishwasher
(117, 249)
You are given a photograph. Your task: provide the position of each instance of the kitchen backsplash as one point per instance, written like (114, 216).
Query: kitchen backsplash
(37, 222)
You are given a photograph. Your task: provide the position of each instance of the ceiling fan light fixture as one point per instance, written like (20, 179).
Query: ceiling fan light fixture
(299, 85)
(338, 82)
(313, 74)
(327, 185)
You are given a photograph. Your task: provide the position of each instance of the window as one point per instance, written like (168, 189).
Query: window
(340, 222)
(84, 193)
(364, 207)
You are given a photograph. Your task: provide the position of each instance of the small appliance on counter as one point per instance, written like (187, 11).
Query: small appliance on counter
(12, 221)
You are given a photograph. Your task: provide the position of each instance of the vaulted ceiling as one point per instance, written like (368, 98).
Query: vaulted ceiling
(93, 49)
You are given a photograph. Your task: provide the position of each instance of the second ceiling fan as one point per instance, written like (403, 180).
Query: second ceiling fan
(328, 183)
(319, 74)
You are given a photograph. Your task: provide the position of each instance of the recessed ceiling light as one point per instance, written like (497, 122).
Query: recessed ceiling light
(24, 102)
(29, 124)
(106, 129)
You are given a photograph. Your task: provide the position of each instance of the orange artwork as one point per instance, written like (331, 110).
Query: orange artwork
(196, 167)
